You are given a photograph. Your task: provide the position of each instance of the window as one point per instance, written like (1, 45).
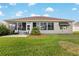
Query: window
(47, 26)
(34, 24)
(50, 26)
(19, 26)
(43, 25)
(63, 25)
(15, 26)
(28, 27)
(23, 26)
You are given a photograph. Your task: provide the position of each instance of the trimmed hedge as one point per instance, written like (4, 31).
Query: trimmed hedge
(4, 30)
(35, 31)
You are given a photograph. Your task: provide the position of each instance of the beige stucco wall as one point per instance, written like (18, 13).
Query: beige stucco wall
(75, 28)
(57, 29)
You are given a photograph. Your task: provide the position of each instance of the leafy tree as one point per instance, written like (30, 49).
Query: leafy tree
(4, 30)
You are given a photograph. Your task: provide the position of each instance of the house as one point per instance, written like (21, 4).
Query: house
(76, 26)
(3, 23)
(47, 25)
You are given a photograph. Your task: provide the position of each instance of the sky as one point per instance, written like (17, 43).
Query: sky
(56, 10)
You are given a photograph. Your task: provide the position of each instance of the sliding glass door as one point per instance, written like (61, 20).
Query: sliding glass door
(21, 26)
(24, 26)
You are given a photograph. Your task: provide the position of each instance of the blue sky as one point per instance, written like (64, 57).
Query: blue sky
(57, 10)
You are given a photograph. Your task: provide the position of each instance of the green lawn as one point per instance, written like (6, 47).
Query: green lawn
(44, 45)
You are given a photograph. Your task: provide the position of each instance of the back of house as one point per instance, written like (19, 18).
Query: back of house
(46, 25)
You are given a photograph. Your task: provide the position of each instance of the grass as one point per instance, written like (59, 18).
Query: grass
(41, 45)
(70, 47)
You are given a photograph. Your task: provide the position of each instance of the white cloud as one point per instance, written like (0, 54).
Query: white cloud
(31, 4)
(49, 9)
(35, 15)
(12, 4)
(77, 3)
(39, 15)
(74, 9)
(19, 13)
(46, 15)
(1, 13)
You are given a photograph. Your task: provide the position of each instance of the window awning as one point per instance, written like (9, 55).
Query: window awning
(64, 23)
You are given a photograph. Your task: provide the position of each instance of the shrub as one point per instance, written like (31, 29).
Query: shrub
(4, 30)
(35, 31)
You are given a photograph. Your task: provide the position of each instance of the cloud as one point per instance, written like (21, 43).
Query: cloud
(19, 13)
(74, 9)
(39, 15)
(1, 13)
(35, 15)
(12, 4)
(31, 4)
(46, 15)
(49, 9)
(76, 3)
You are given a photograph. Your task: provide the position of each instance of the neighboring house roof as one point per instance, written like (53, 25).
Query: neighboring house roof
(37, 18)
(3, 22)
(76, 24)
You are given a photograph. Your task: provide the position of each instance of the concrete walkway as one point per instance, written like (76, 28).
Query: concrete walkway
(15, 36)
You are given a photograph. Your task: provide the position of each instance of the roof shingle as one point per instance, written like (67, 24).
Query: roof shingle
(38, 18)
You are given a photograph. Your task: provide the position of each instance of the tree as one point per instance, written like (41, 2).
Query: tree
(4, 30)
